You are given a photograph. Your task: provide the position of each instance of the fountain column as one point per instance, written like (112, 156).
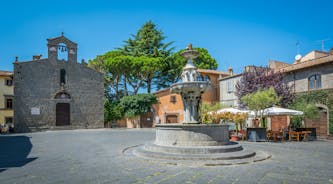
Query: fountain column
(190, 88)
(187, 112)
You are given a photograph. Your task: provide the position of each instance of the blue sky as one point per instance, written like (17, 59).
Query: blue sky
(236, 33)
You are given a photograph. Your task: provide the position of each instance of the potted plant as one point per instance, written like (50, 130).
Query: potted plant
(208, 112)
(234, 136)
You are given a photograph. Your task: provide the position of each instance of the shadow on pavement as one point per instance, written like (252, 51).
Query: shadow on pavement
(14, 151)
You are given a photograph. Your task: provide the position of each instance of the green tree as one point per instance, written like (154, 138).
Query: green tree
(148, 41)
(256, 78)
(148, 45)
(136, 104)
(260, 100)
(145, 61)
(112, 111)
(310, 111)
(112, 64)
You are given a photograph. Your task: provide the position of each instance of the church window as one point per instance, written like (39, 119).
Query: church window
(62, 76)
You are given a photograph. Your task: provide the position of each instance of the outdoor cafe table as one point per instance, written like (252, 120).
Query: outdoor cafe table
(277, 134)
(298, 134)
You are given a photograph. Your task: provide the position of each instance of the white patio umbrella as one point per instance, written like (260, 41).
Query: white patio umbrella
(231, 110)
(273, 111)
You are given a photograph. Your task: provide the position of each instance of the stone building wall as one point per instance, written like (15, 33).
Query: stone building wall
(320, 124)
(299, 78)
(228, 88)
(278, 123)
(37, 83)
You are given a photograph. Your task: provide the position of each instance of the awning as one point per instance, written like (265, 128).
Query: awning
(274, 111)
(231, 110)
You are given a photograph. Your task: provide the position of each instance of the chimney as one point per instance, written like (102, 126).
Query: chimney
(84, 62)
(230, 71)
(250, 68)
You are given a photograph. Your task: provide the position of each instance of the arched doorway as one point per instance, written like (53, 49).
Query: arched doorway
(62, 114)
(320, 124)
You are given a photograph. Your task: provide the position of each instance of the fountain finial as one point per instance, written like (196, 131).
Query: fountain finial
(189, 53)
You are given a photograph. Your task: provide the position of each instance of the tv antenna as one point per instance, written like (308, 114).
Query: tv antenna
(298, 55)
(323, 43)
(298, 45)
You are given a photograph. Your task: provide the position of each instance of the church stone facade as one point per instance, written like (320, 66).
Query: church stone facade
(56, 93)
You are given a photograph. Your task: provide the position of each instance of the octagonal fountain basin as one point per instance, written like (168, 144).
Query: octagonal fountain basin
(195, 144)
(192, 135)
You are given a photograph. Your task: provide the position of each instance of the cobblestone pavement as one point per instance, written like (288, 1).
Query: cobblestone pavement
(95, 156)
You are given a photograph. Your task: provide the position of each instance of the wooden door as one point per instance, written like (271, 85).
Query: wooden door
(171, 119)
(62, 114)
(146, 120)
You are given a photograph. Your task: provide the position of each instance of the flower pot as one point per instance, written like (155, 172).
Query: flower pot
(234, 138)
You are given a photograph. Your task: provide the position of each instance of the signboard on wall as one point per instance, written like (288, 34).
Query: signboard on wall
(35, 111)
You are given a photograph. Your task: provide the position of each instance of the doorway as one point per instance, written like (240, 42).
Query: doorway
(171, 118)
(62, 114)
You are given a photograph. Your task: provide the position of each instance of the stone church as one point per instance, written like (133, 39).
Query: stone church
(57, 92)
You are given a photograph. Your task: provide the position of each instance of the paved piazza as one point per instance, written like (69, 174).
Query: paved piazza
(96, 156)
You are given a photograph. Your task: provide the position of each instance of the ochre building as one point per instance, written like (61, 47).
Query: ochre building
(6, 97)
(170, 109)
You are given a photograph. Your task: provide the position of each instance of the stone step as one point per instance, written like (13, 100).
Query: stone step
(201, 160)
(330, 137)
(140, 151)
(193, 149)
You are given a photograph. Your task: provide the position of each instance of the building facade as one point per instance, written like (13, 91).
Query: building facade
(228, 87)
(57, 92)
(6, 97)
(312, 72)
(227, 92)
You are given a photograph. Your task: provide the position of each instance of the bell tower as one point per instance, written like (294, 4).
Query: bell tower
(63, 45)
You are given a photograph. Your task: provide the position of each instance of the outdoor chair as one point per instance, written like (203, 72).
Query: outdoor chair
(280, 135)
(269, 135)
(243, 133)
(294, 136)
(4, 129)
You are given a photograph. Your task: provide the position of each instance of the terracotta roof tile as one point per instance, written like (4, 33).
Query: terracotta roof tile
(6, 73)
(212, 72)
(307, 64)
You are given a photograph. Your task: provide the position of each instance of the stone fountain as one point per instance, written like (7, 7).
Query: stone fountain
(191, 142)
(191, 87)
